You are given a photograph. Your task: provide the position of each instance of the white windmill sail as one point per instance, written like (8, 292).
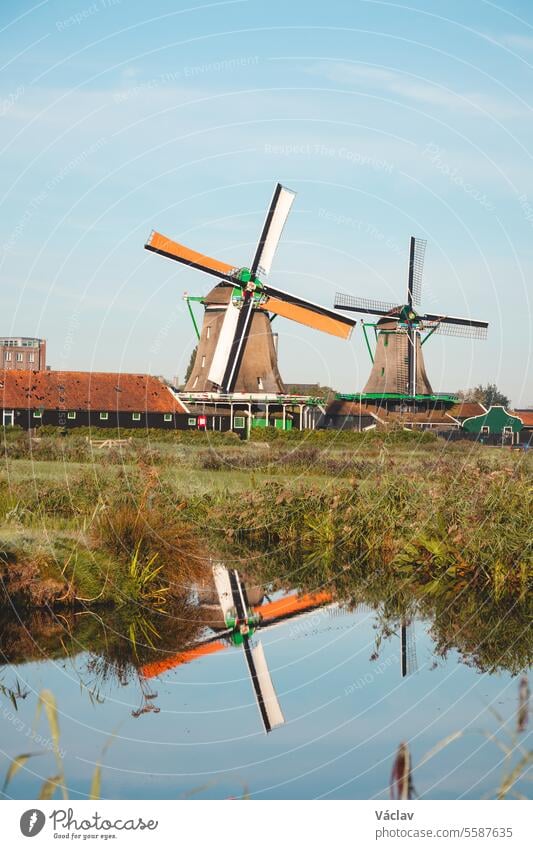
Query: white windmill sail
(223, 587)
(224, 343)
(278, 212)
(264, 689)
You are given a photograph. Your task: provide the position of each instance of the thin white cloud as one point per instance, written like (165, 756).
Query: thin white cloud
(523, 42)
(405, 85)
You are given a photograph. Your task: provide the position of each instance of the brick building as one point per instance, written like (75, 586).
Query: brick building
(22, 353)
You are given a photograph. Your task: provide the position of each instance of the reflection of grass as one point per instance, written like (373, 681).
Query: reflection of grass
(14, 694)
(516, 761)
(55, 782)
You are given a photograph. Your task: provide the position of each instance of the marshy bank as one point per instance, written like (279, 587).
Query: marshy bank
(132, 523)
(84, 542)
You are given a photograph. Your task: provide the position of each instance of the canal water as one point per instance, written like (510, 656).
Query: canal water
(187, 725)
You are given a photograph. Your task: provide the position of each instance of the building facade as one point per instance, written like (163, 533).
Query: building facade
(22, 353)
(70, 399)
(497, 425)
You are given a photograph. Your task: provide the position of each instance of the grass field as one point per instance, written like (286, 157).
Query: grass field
(136, 522)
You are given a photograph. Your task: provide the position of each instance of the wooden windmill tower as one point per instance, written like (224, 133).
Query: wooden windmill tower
(236, 351)
(398, 367)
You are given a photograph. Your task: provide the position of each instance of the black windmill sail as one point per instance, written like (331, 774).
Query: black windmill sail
(248, 294)
(232, 591)
(408, 661)
(405, 325)
(417, 250)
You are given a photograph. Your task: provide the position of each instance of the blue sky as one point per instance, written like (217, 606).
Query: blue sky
(388, 119)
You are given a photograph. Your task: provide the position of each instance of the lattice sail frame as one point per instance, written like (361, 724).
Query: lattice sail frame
(417, 268)
(366, 305)
(443, 328)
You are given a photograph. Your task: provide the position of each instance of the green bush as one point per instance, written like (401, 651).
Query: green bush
(344, 437)
(146, 434)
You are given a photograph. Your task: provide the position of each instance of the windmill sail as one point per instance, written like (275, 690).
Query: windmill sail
(160, 244)
(238, 345)
(223, 587)
(306, 312)
(225, 341)
(417, 252)
(368, 306)
(277, 215)
(450, 325)
(408, 661)
(267, 700)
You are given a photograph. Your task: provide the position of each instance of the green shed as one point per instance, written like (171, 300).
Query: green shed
(497, 424)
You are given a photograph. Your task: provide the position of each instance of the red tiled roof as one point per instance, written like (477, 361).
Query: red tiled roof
(83, 390)
(466, 410)
(526, 417)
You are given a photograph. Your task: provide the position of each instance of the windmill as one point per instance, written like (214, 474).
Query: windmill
(398, 364)
(236, 351)
(238, 626)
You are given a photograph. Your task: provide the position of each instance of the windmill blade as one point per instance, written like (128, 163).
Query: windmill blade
(364, 305)
(238, 595)
(224, 344)
(306, 312)
(408, 661)
(462, 331)
(417, 252)
(448, 325)
(265, 694)
(236, 352)
(280, 206)
(204, 648)
(160, 244)
(223, 587)
(288, 607)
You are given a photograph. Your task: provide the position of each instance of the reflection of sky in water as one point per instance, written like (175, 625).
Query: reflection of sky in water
(345, 716)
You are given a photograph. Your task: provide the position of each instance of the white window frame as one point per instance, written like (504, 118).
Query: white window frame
(7, 356)
(71, 414)
(135, 417)
(485, 430)
(239, 419)
(167, 417)
(19, 357)
(191, 421)
(37, 414)
(104, 417)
